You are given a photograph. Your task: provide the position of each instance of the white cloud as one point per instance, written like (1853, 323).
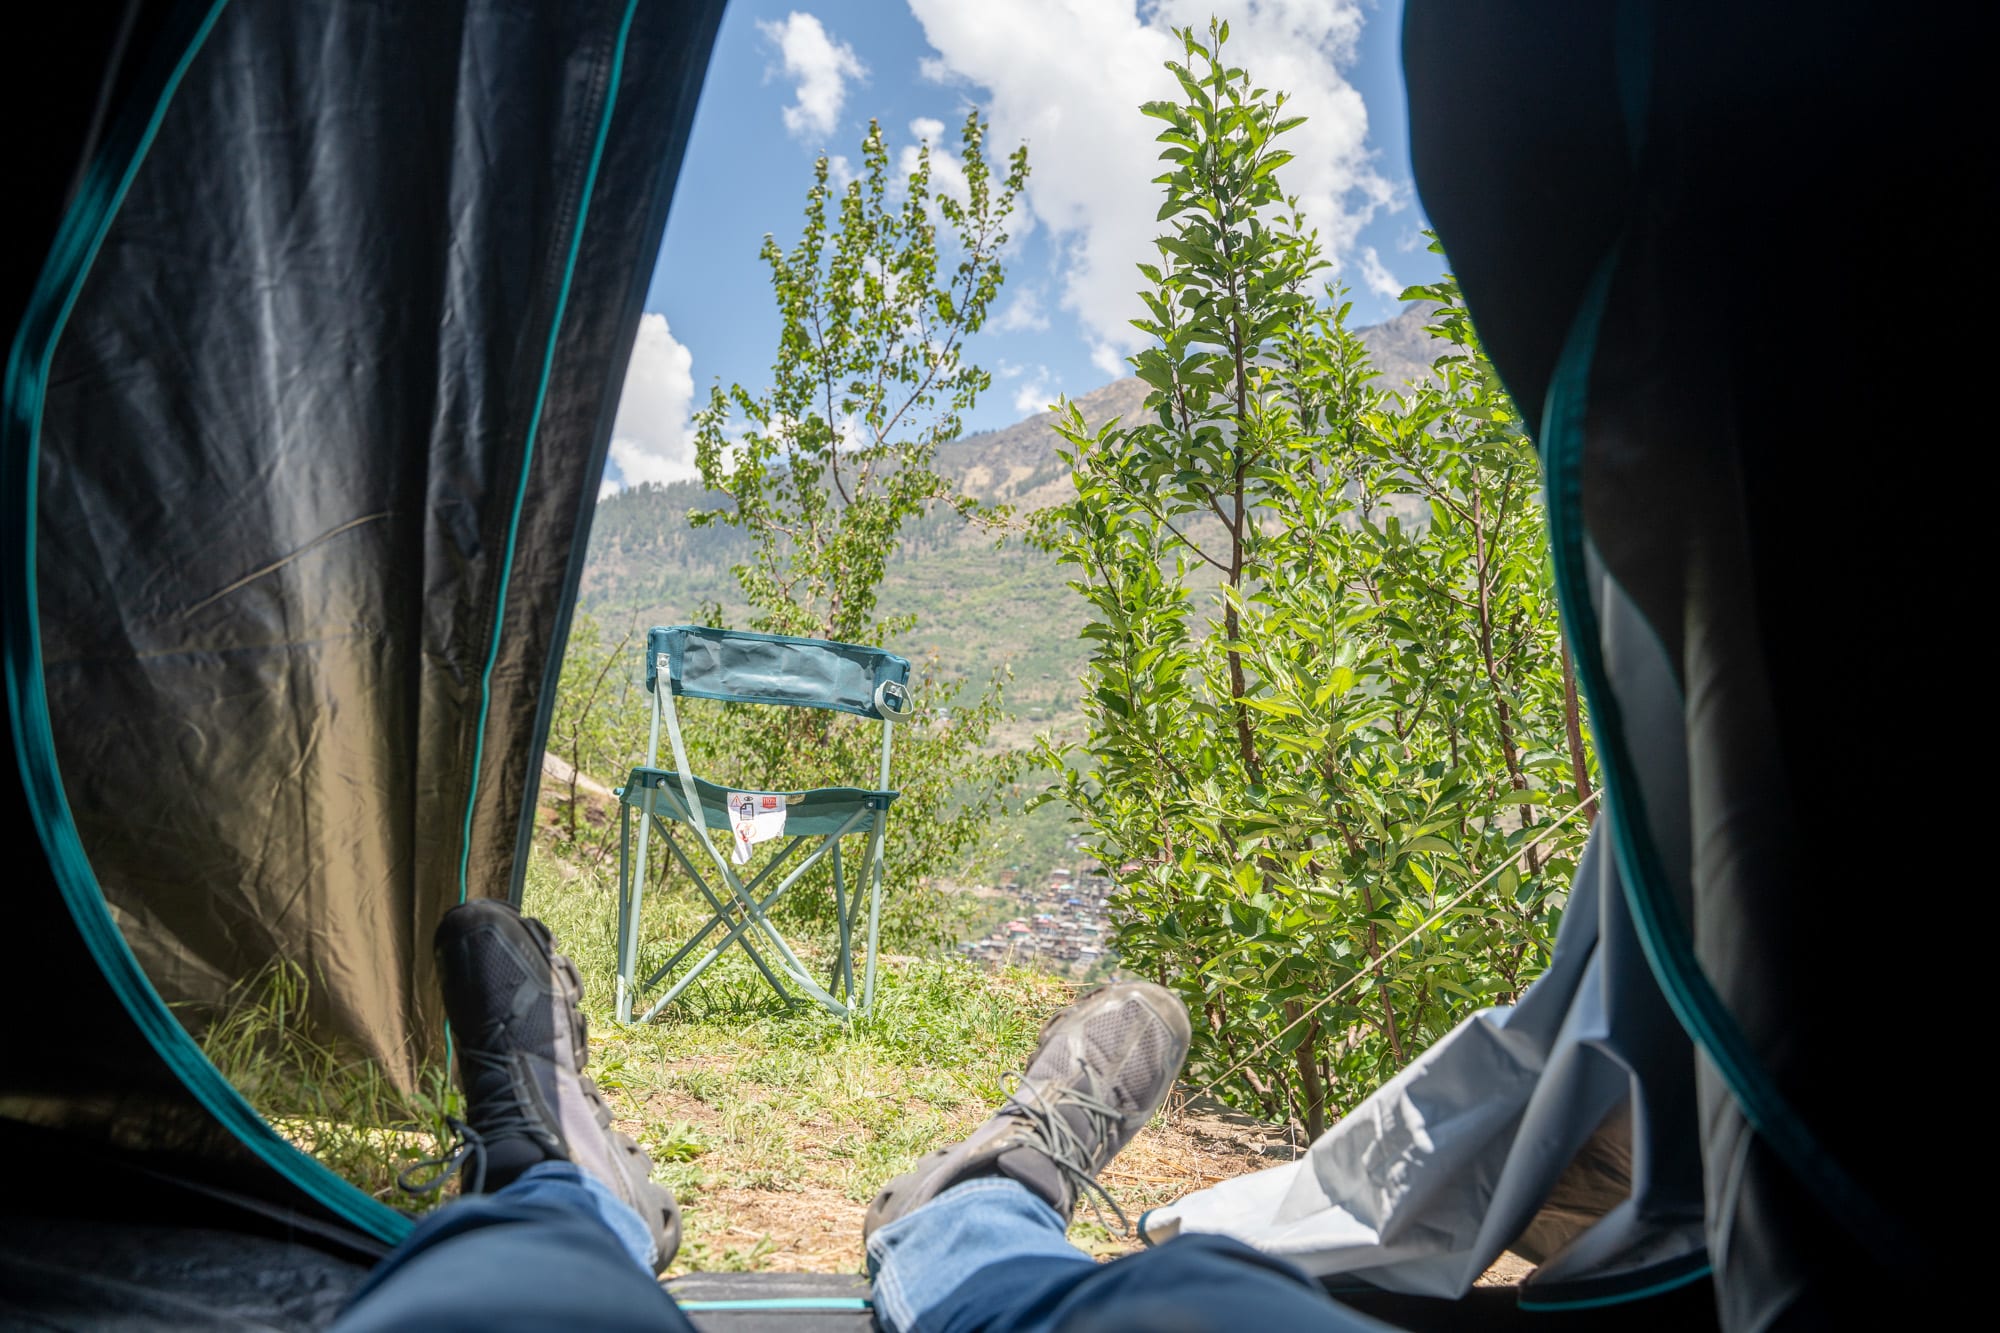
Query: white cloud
(853, 433)
(1033, 398)
(947, 168)
(1035, 393)
(1375, 275)
(1109, 360)
(651, 439)
(819, 68)
(1068, 77)
(1024, 314)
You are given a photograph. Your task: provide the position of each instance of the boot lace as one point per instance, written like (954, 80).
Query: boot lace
(1074, 1154)
(499, 1117)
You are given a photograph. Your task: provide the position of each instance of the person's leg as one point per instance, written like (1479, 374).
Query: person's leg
(922, 1260)
(557, 1248)
(973, 1240)
(1191, 1284)
(515, 1008)
(559, 1222)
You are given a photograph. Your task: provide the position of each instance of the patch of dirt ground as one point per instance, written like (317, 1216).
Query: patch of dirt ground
(798, 1226)
(806, 1230)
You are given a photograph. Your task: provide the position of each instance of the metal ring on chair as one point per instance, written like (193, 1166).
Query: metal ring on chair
(892, 700)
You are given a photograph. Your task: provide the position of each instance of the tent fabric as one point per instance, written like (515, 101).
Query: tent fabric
(305, 408)
(310, 501)
(740, 667)
(1664, 247)
(88, 1275)
(1686, 310)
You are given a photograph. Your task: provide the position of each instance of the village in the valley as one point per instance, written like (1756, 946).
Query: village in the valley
(1057, 922)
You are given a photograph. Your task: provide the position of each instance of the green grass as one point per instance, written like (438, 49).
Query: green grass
(339, 1109)
(775, 1125)
(766, 1119)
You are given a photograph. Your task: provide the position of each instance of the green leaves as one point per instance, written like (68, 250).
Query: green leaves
(826, 466)
(1324, 694)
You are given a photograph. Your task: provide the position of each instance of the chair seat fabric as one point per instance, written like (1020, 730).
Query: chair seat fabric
(808, 814)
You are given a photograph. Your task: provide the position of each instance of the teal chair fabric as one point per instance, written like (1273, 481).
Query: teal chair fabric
(739, 667)
(701, 662)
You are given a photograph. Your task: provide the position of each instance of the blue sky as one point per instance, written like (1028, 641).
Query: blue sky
(790, 79)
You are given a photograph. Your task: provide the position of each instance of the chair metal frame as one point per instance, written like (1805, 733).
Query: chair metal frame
(662, 799)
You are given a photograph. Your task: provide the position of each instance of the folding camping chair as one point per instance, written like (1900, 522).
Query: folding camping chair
(697, 662)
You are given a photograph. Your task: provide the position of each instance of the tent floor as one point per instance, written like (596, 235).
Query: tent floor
(1689, 1309)
(697, 1289)
(89, 1243)
(74, 1274)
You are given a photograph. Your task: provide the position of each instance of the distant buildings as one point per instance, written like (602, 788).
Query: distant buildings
(1061, 925)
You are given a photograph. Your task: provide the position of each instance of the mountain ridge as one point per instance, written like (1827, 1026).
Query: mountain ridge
(984, 607)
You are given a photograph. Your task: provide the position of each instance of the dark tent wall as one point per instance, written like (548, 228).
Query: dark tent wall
(317, 314)
(319, 447)
(1692, 236)
(305, 409)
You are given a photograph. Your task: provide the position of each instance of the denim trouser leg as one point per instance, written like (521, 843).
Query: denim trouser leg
(555, 1249)
(988, 1256)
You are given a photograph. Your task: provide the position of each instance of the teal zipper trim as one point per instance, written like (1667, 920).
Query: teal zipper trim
(795, 1304)
(528, 451)
(71, 258)
(1662, 934)
(1645, 1293)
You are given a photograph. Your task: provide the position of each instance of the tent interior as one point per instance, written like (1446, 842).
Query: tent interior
(319, 318)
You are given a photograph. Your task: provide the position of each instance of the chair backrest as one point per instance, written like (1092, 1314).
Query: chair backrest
(739, 667)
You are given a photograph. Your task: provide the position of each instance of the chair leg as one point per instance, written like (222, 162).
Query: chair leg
(743, 898)
(754, 910)
(874, 876)
(736, 933)
(721, 911)
(735, 936)
(794, 969)
(625, 923)
(842, 970)
(853, 922)
(628, 957)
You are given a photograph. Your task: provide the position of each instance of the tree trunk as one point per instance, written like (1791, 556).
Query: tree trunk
(1504, 716)
(1579, 766)
(1305, 1056)
(1389, 1029)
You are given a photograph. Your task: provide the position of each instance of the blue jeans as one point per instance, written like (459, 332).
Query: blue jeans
(988, 1256)
(555, 1249)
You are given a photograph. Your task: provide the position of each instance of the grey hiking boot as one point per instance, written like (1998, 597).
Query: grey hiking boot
(1103, 1067)
(522, 1044)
